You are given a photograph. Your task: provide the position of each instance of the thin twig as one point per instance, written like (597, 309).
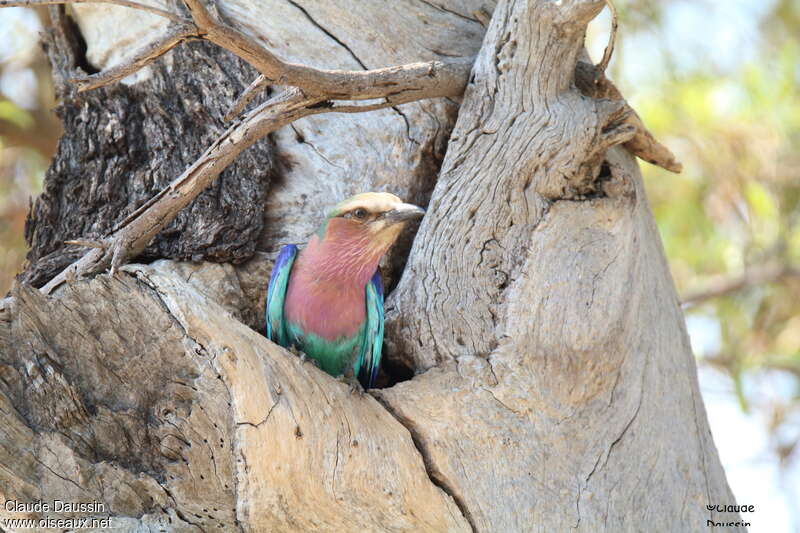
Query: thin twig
(612, 39)
(86, 243)
(361, 108)
(150, 53)
(258, 85)
(125, 3)
(752, 277)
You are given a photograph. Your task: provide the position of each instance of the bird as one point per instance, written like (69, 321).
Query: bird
(326, 300)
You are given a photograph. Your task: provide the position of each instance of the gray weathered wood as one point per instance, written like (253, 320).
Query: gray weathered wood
(538, 302)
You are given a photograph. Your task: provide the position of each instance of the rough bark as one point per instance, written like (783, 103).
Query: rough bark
(160, 403)
(557, 390)
(542, 308)
(123, 144)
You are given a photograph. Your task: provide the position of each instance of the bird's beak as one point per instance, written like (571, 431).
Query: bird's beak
(403, 213)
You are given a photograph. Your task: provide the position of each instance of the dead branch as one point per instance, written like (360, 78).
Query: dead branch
(752, 277)
(612, 39)
(131, 235)
(396, 83)
(123, 3)
(312, 91)
(448, 79)
(258, 85)
(176, 34)
(591, 81)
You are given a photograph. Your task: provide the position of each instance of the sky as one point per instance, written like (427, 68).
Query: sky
(724, 33)
(18, 28)
(753, 471)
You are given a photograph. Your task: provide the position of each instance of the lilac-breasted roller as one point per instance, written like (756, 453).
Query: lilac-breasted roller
(327, 299)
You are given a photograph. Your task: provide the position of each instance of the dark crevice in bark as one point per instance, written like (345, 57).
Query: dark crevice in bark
(327, 32)
(443, 9)
(185, 518)
(610, 449)
(407, 123)
(79, 47)
(605, 183)
(701, 440)
(358, 60)
(604, 176)
(393, 371)
(431, 470)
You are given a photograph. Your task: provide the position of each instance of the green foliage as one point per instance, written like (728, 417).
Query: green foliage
(16, 115)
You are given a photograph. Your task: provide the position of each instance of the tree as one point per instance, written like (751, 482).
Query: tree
(555, 388)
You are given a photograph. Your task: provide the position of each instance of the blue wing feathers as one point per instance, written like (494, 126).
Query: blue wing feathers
(276, 293)
(377, 346)
(373, 342)
(285, 258)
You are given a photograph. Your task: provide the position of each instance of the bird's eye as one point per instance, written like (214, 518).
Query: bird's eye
(360, 213)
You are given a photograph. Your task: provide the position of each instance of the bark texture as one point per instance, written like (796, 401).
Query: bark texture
(541, 306)
(123, 144)
(158, 402)
(556, 388)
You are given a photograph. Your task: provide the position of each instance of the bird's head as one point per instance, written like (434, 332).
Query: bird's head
(367, 223)
(376, 216)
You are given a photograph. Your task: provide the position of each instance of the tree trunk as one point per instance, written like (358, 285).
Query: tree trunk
(555, 388)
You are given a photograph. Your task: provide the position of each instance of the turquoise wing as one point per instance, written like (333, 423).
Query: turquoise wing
(276, 294)
(369, 360)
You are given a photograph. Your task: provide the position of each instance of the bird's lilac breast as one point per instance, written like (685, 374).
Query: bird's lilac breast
(328, 310)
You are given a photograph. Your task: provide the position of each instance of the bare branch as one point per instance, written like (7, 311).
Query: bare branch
(426, 79)
(177, 34)
(258, 85)
(131, 236)
(752, 277)
(86, 243)
(612, 38)
(591, 81)
(646, 147)
(125, 3)
(430, 78)
(361, 108)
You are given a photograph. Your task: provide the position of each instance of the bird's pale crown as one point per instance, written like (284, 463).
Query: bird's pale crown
(372, 202)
